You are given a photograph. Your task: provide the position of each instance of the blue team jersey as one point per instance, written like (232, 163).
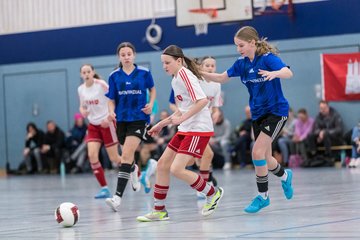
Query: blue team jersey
(265, 96)
(129, 93)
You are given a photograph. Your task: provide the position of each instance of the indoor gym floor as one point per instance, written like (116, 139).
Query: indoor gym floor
(326, 204)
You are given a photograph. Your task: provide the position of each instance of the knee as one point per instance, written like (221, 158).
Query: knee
(258, 153)
(162, 166)
(175, 171)
(93, 157)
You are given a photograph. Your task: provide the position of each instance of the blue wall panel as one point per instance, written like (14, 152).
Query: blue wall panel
(44, 90)
(311, 19)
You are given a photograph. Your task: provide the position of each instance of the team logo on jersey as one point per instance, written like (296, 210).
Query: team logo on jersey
(179, 97)
(138, 131)
(267, 128)
(128, 83)
(92, 102)
(251, 70)
(198, 151)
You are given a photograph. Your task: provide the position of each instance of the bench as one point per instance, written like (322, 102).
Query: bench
(341, 148)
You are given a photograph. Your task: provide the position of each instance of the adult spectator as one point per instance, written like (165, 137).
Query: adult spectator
(243, 140)
(303, 127)
(220, 142)
(33, 141)
(327, 131)
(53, 146)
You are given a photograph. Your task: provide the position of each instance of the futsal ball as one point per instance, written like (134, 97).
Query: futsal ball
(67, 214)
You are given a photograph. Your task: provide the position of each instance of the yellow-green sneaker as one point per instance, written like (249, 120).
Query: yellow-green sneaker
(154, 216)
(212, 203)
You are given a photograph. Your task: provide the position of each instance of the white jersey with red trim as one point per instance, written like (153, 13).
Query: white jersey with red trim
(187, 91)
(94, 100)
(213, 92)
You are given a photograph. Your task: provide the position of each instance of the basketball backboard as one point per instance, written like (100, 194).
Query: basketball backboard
(226, 11)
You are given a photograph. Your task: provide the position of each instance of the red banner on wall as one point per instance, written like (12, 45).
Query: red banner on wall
(341, 76)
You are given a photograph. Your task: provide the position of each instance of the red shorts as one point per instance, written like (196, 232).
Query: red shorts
(96, 133)
(190, 145)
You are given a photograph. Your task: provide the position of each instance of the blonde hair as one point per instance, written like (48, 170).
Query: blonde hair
(248, 34)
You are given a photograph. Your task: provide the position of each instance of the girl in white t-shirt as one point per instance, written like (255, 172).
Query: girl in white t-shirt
(212, 91)
(94, 106)
(194, 131)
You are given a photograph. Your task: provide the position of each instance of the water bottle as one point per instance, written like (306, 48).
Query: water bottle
(343, 157)
(62, 169)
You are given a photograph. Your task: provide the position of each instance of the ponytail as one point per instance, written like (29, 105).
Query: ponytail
(193, 67)
(248, 34)
(262, 47)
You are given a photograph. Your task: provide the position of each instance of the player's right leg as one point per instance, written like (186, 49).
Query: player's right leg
(205, 166)
(262, 143)
(161, 188)
(93, 153)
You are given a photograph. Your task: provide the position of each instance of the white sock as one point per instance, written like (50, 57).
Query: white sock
(284, 177)
(264, 195)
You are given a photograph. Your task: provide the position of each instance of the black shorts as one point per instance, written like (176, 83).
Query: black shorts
(136, 128)
(269, 124)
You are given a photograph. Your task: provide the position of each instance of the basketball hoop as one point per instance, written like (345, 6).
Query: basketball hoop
(202, 27)
(211, 12)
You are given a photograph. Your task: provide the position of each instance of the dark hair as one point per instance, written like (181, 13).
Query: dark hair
(248, 34)
(324, 102)
(176, 52)
(302, 110)
(33, 125)
(122, 45)
(97, 76)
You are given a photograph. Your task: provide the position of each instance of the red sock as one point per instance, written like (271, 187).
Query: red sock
(99, 173)
(201, 186)
(160, 193)
(205, 175)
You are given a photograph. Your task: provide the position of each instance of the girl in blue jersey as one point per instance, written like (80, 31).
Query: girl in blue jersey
(260, 70)
(128, 106)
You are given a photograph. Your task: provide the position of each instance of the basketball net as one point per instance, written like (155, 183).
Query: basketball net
(202, 28)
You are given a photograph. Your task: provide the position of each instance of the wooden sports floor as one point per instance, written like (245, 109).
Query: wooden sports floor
(326, 205)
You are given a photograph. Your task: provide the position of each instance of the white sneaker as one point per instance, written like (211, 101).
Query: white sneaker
(227, 166)
(352, 163)
(134, 179)
(151, 167)
(200, 195)
(114, 202)
(357, 162)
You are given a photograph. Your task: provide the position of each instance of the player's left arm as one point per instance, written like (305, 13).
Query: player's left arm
(149, 106)
(284, 72)
(276, 68)
(195, 108)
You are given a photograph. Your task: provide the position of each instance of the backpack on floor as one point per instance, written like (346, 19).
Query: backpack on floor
(295, 161)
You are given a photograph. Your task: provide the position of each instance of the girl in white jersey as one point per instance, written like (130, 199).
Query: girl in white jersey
(212, 91)
(94, 106)
(191, 139)
(260, 70)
